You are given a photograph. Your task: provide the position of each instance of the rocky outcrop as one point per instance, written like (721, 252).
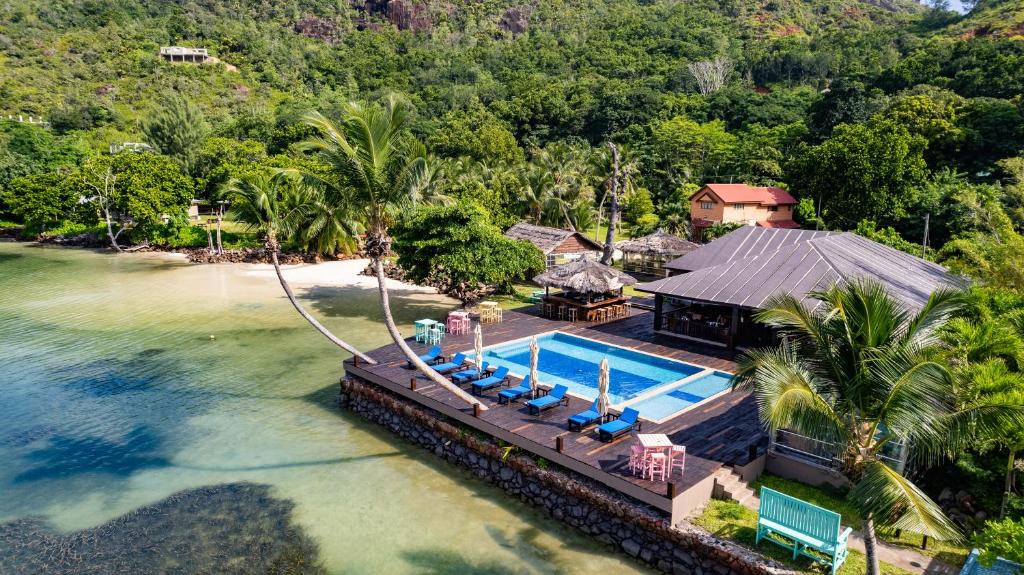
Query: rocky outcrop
(411, 15)
(319, 28)
(627, 526)
(247, 256)
(516, 19)
(962, 508)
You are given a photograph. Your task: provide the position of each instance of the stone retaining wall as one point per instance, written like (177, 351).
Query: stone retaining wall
(619, 522)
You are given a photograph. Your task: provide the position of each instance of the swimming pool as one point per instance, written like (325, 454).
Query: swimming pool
(574, 362)
(692, 391)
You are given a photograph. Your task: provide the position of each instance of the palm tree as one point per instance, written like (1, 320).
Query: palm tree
(272, 204)
(376, 162)
(858, 372)
(987, 356)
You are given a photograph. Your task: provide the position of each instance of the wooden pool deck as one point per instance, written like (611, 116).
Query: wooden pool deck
(719, 432)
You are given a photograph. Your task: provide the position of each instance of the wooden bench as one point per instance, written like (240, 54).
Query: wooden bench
(808, 526)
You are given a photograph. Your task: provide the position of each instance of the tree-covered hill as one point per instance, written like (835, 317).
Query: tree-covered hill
(875, 114)
(1000, 18)
(93, 64)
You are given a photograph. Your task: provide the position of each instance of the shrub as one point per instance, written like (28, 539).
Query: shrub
(1003, 538)
(459, 251)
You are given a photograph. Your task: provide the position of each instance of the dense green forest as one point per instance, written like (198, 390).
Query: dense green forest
(874, 114)
(902, 122)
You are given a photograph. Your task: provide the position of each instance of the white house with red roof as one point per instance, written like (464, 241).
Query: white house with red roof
(768, 207)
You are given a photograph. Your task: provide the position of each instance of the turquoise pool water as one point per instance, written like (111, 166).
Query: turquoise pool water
(574, 361)
(679, 398)
(130, 442)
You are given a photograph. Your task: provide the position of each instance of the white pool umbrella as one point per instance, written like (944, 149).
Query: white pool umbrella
(478, 346)
(603, 381)
(534, 358)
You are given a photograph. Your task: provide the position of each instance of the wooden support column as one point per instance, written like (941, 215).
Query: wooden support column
(734, 326)
(559, 443)
(659, 301)
(412, 383)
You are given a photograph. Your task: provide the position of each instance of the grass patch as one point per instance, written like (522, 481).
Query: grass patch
(835, 500)
(732, 521)
(519, 298)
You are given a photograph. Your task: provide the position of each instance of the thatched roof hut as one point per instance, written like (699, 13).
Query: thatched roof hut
(585, 276)
(557, 245)
(649, 254)
(660, 243)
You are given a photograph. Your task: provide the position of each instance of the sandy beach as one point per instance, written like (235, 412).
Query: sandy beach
(344, 273)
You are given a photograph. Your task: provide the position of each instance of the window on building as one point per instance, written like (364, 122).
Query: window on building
(737, 206)
(773, 208)
(706, 205)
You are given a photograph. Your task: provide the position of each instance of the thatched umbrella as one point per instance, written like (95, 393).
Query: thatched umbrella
(585, 276)
(603, 382)
(534, 358)
(660, 243)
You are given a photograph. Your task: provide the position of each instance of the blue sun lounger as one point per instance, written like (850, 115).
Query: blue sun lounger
(495, 380)
(513, 393)
(629, 419)
(432, 356)
(580, 420)
(556, 397)
(455, 363)
(461, 377)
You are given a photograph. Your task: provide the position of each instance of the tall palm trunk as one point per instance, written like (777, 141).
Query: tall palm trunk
(389, 321)
(870, 545)
(613, 209)
(273, 247)
(220, 220)
(1009, 482)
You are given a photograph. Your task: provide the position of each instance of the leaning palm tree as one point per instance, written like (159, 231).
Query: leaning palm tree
(373, 158)
(272, 204)
(858, 372)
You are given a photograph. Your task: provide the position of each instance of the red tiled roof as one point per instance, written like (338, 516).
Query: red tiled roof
(744, 194)
(786, 224)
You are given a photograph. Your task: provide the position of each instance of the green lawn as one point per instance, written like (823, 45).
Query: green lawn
(730, 520)
(835, 500)
(521, 297)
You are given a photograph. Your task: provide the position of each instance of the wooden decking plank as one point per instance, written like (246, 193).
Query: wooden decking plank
(717, 433)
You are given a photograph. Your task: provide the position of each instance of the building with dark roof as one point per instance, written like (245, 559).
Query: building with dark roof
(558, 246)
(725, 281)
(768, 207)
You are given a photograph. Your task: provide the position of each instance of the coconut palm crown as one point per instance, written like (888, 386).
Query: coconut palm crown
(377, 166)
(858, 370)
(273, 204)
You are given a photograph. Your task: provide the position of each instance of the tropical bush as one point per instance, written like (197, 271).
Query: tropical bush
(457, 249)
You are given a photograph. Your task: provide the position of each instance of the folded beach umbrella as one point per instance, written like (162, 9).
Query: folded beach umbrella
(603, 382)
(534, 358)
(478, 346)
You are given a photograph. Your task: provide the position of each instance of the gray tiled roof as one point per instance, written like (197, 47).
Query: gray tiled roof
(743, 242)
(768, 262)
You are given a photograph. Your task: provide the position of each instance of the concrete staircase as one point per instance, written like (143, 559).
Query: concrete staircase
(731, 487)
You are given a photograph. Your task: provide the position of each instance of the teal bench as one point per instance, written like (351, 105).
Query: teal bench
(808, 526)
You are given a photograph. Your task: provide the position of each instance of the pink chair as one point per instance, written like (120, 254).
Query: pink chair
(678, 459)
(657, 464)
(637, 458)
(458, 323)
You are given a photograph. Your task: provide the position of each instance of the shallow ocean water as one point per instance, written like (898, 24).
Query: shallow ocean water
(113, 398)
